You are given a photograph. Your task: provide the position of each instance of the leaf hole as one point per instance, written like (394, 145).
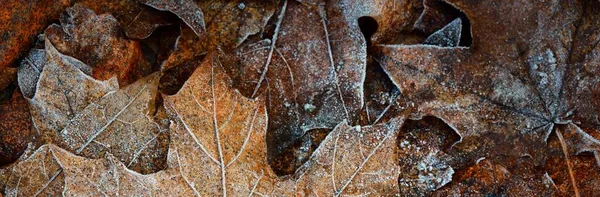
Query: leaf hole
(432, 131)
(292, 158)
(368, 26)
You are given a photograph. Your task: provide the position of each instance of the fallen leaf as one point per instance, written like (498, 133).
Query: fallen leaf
(186, 10)
(520, 84)
(97, 40)
(223, 25)
(15, 128)
(307, 88)
(7, 76)
(21, 22)
(221, 135)
(91, 117)
(138, 21)
(52, 171)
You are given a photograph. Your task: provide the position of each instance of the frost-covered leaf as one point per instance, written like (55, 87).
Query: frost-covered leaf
(91, 117)
(98, 41)
(530, 72)
(186, 10)
(52, 171)
(214, 24)
(220, 140)
(449, 36)
(62, 91)
(305, 89)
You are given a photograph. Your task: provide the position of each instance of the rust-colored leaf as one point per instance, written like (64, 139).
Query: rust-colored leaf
(7, 76)
(514, 87)
(138, 21)
(20, 22)
(15, 128)
(228, 24)
(98, 41)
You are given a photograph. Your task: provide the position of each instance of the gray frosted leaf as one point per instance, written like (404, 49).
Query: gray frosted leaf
(449, 36)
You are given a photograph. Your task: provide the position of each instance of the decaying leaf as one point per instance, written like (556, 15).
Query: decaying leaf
(186, 10)
(138, 21)
(15, 128)
(521, 84)
(219, 148)
(52, 171)
(221, 135)
(90, 117)
(7, 76)
(353, 161)
(19, 24)
(300, 98)
(214, 24)
(98, 41)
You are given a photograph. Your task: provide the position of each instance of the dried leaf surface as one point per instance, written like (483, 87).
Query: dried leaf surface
(214, 24)
(520, 84)
(138, 21)
(21, 22)
(98, 41)
(15, 128)
(90, 117)
(227, 143)
(52, 171)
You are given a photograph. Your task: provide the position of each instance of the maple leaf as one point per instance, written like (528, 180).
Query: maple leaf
(90, 117)
(218, 147)
(221, 135)
(97, 41)
(212, 25)
(521, 83)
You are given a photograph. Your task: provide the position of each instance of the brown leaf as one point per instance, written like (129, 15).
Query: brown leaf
(352, 161)
(308, 86)
(52, 171)
(138, 21)
(228, 24)
(221, 136)
(20, 22)
(519, 84)
(97, 41)
(91, 117)
(186, 10)
(7, 76)
(15, 128)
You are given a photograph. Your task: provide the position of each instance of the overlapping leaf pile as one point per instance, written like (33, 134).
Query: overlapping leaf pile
(300, 98)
